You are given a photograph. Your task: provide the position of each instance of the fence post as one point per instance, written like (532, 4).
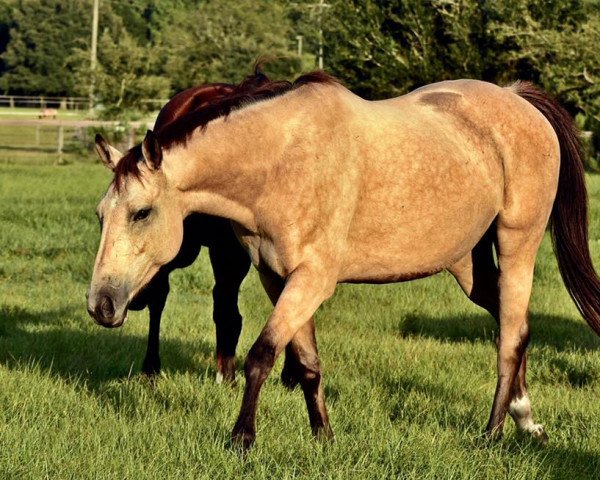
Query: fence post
(131, 138)
(61, 141)
(11, 102)
(63, 103)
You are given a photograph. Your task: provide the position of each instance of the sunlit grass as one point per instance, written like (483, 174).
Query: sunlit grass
(409, 369)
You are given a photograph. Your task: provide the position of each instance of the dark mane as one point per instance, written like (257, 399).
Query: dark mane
(196, 107)
(253, 88)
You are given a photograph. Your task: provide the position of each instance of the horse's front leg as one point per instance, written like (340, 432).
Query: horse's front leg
(156, 305)
(230, 265)
(302, 353)
(305, 289)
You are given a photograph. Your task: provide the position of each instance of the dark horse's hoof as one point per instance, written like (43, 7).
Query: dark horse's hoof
(151, 367)
(226, 370)
(488, 438)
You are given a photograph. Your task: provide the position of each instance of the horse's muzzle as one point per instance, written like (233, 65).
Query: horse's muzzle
(108, 306)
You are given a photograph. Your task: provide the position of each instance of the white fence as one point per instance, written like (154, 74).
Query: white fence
(64, 103)
(52, 134)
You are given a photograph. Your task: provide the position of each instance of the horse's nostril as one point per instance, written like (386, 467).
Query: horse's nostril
(107, 308)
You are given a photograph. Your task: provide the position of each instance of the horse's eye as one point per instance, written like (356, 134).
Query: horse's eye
(141, 214)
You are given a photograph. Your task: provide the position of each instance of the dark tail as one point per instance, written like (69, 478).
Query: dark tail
(569, 219)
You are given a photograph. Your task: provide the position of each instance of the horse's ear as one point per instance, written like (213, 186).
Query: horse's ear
(151, 151)
(109, 155)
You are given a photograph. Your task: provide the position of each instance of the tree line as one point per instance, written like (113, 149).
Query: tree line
(378, 48)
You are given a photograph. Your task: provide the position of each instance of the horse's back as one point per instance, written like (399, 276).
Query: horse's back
(445, 161)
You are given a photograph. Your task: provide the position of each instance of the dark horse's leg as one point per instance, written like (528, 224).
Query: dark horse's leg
(302, 353)
(157, 298)
(230, 265)
(292, 371)
(478, 276)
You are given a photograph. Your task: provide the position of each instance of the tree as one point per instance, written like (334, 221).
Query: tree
(33, 61)
(383, 48)
(123, 75)
(554, 43)
(388, 47)
(218, 41)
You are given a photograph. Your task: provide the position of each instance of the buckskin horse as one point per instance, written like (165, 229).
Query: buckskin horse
(324, 187)
(229, 261)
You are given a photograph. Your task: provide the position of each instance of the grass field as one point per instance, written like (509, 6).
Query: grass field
(409, 369)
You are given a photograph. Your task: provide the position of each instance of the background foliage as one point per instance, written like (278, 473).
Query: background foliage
(154, 48)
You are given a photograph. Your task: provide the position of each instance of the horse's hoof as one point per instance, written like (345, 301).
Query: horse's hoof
(151, 368)
(323, 434)
(226, 370)
(242, 440)
(538, 433)
(488, 438)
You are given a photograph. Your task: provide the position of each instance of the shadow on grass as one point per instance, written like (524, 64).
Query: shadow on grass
(97, 356)
(556, 461)
(561, 334)
(570, 463)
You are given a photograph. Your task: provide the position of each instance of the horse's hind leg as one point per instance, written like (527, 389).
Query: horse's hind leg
(230, 265)
(517, 247)
(478, 275)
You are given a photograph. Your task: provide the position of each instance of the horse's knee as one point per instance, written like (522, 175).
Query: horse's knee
(260, 361)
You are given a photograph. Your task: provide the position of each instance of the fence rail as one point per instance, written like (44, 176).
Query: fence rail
(51, 133)
(64, 103)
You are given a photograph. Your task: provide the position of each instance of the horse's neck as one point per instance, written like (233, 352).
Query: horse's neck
(222, 170)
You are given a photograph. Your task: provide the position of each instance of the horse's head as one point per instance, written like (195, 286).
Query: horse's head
(142, 229)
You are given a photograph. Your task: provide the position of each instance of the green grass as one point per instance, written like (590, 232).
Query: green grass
(409, 369)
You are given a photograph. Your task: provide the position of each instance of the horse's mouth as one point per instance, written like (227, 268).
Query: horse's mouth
(119, 323)
(116, 324)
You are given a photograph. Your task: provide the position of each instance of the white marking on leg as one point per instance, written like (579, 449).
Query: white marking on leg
(219, 378)
(520, 411)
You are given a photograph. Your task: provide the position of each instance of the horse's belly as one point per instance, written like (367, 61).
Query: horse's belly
(396, 259)
(422, 227)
